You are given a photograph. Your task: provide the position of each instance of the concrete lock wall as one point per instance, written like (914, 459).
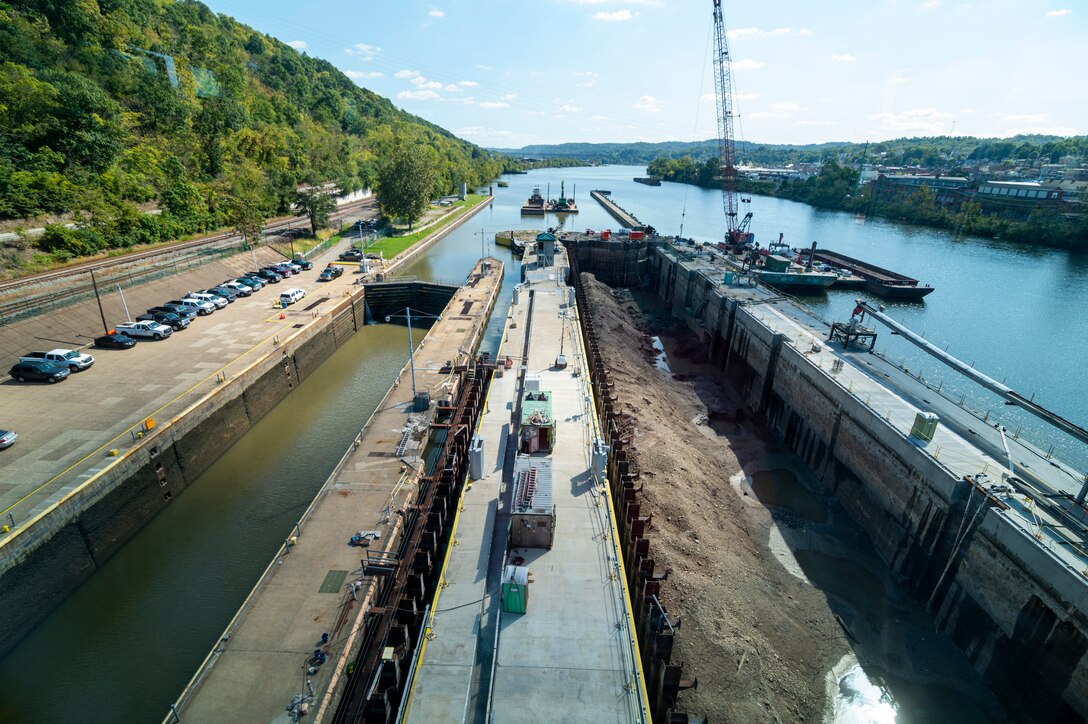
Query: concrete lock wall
(1017, 611)
(69, 543)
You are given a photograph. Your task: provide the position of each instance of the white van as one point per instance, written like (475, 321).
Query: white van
(290, 296)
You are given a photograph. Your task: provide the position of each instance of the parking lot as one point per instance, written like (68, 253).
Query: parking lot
(67, 429)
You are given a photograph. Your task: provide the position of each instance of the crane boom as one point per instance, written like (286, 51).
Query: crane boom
(737, 231)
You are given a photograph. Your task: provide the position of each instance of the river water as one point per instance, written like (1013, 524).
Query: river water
(125, 644)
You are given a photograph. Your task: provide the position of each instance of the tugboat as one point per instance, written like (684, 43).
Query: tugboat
(564, 205)
(777, 270)
(534, 205)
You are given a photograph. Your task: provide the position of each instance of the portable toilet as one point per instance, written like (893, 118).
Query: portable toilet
(515, 589)
(925, 426)
(476, 458)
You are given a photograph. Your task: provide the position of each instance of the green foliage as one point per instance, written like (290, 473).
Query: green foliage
(406, 181)
(317, 205)
(111, 103)
(935, 151)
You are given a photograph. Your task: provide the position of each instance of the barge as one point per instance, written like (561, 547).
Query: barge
(648, 180)
(877, 280)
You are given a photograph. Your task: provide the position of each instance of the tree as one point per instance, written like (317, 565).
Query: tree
(315, 203)
(406, 181)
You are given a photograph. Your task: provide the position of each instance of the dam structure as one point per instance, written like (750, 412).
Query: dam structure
(983, 527)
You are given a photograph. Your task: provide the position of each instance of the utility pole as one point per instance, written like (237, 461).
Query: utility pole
(124, 303)
(94, 283)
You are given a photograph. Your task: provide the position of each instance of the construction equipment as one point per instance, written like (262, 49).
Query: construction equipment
(737, 237)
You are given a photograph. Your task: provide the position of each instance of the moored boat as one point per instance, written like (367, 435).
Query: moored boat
(534, 205)
(780, 273)
(877, 280)
(648, 180)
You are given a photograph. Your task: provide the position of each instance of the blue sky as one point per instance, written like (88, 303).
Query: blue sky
(507, 73)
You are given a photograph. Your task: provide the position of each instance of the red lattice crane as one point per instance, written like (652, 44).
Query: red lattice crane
(737, 236)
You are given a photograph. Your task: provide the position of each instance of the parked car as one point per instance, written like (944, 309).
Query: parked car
(290, 296)
(202, 307)
(212, 299)
(172, 320)
(229, 294)
(145, 329)
(329, 273)
(303, 264)
(240, 287)
(38, 370)
(178, 309)
(286, 269)
(7, 438)
(253, 280)
(115, 340)
(70, 358)
(352, 255)
(268, 275)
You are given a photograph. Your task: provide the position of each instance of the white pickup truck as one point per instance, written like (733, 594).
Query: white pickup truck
(145, 329)
(70, 358)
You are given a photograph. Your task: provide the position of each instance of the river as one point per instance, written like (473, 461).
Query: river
(125, 644)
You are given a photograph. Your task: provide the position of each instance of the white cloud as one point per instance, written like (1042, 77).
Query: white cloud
(509, 96)
(589, 78)
(362, 74)
(436, 13)
(757, 33)
(747, 64)
(485, 67)
(364, 50)
(648, 104)
(421, 82)
(1041, 131)
(1058, 13)
(468, 83)
(920, 121)
(784, 107)
(406, 74)
(599, 119)
(930, 5)
(616, 16)
(298, 44)
(844, 58)
(742, 96)
(569, 108)
(1033, 118)
(491, 105)
(471, 132)
(417, 95)
(815, 123)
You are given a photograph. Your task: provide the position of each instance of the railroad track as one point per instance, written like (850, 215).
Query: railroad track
(171, 248)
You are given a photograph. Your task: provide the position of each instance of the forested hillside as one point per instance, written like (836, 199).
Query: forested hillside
(113, 107)
(932, 151)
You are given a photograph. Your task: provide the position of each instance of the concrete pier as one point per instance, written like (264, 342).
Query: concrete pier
(572, 655)
(625, 218)
(315, 585)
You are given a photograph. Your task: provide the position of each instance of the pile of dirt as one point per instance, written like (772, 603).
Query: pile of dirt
(759, 640)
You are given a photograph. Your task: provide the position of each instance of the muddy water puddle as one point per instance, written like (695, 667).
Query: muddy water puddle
(780, 488)
(661, 361)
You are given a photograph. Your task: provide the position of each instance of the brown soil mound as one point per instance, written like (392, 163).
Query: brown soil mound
(759, 640)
